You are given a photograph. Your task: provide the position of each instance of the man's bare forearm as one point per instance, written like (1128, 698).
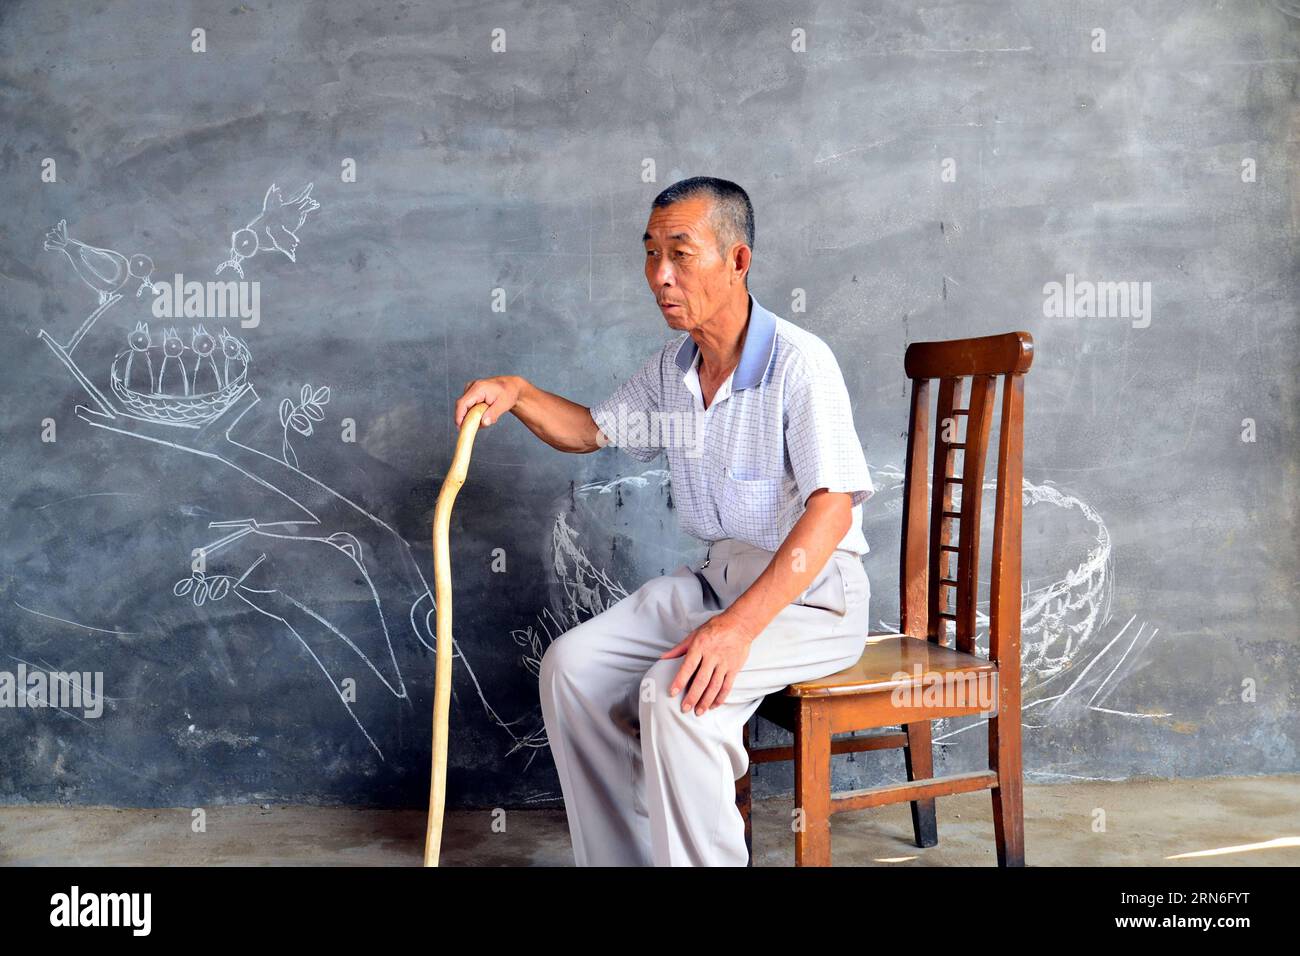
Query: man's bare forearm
(798, 561)
(560, 423)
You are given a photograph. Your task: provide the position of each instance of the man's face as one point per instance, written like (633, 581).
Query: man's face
(688, 277)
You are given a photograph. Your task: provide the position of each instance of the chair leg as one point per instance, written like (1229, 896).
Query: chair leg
(744, 801)
(919, 756)
(1008, 796)
(812, 784)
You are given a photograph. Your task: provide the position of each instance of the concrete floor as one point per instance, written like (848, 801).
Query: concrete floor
(1241, 821)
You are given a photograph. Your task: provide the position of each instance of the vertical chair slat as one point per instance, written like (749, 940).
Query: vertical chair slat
(1004, 580)
(1005, 750)
(913, 611)
(940, 501)
(968, 554)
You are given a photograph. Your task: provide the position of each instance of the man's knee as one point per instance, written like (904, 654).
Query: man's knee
(558, 660)
(653, 693)
(572, 654)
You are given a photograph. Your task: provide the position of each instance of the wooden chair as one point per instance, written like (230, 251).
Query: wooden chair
(882, 690)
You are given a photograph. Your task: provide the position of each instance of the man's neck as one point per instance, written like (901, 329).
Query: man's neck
(721, 339)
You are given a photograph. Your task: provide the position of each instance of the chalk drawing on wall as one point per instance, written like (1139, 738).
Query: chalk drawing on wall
(580, 590)
(1066, 668)
(274, 228)
(103, 270)
(171, 383)
(299, 416)
(1069, 668)
(106, 272)
(180, 391)
(190, 392)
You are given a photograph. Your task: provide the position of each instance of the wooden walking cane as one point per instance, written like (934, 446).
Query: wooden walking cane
(442, 651)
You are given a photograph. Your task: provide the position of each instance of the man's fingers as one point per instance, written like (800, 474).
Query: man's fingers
(473, 395)
(699, 684)
(711, 692)
(490, 415)
(678, 649)
(460, 403)
(684, 673)
(725, 692)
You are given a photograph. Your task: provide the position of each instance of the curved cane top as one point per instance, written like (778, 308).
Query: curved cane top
(464, 444)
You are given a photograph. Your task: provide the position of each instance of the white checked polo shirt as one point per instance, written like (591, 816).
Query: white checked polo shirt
(779, 428)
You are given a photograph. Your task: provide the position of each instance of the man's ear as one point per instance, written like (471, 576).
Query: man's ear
(741, 258)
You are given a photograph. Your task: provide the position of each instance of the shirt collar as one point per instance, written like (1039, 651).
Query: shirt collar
(755, 354)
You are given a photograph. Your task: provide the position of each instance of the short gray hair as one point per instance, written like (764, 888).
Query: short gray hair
(732, 215)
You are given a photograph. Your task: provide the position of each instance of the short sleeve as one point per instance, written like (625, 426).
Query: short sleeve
(820, 438)
(627, 417)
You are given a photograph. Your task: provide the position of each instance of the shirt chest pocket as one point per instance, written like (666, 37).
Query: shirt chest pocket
(751, 507)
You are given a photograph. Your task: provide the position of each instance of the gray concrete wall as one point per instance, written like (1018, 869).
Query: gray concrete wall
(917, 173)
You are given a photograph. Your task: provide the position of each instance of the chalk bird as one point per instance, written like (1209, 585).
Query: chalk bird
(103, 270)
(138, 373)
(205, 378)
(275, 227)
(236, 356)
(173, 366)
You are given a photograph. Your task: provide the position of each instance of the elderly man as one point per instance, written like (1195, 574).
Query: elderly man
(645, 703)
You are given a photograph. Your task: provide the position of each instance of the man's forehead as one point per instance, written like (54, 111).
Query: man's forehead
(685, 220)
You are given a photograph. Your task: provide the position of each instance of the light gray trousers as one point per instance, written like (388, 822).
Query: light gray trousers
(645, 784)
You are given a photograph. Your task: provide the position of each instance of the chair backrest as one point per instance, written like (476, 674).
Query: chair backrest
(940, 556)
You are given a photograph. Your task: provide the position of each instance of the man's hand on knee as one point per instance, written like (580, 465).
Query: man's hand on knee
(714, 654)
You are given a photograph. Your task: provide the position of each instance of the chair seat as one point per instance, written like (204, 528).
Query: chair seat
(890, 661)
